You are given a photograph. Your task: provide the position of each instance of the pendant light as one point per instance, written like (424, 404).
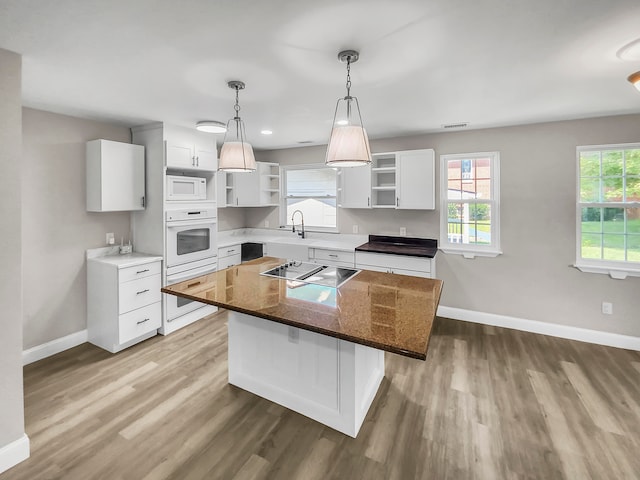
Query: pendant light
(236, 154)
(348, 143)
(634, 78)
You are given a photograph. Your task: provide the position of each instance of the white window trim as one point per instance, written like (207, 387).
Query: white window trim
(284, 221)
(471, 251)
(615, 269)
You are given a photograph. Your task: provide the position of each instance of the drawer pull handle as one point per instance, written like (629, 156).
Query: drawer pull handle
(142, 321)
(142, 271)
(333, 255)
(231, 251)
(193, 284)
(143, 291)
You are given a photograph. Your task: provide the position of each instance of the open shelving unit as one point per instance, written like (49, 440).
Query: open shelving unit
(383, 180)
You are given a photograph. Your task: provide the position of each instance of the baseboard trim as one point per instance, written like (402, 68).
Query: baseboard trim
(54, 346)
(14, 453)
(553, 329)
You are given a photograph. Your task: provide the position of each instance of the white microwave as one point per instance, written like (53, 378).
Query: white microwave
(186, 188)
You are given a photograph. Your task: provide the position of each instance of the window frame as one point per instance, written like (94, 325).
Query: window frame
(470, 251)
(617, 269)
(286, 222)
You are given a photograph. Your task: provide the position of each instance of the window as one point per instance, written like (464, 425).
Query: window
(312, 190)
(470, 204)
(608, 209)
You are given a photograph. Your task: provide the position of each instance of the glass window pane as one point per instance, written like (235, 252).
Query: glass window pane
(633, 189)
(612, 189)
(613, 220)
(633, 220)
(453, 169)
(483, 189)
(590, 164)
(612, 162)
(633, 248)
(311, 182)
(454, 189)
(591, 246)
(483, 168)
(590, 190)
(318, 212)
(632, 161)
(613, 247)
(591, 220)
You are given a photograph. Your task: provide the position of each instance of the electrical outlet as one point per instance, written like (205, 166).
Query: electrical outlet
(111, 239)
(403, 231)
(607, 308)
(266, 224)
(355, 229)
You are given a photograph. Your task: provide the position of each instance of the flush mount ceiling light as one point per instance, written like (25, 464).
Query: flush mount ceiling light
(634, 78)
(236, 154)
(630, 52)
(211, 126)
(348, 143)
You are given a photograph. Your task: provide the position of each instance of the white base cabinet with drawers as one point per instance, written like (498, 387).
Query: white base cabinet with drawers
(229, 256)
(400, 264)
(336, 258)
(123, 300)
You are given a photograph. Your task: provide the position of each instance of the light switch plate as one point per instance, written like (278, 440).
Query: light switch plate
(403, 231)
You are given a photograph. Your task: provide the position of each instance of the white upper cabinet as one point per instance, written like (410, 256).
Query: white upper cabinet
(260, 188)
(189, 149)
(115, 176)
(355, 187)
(416, 186)
(403, 180)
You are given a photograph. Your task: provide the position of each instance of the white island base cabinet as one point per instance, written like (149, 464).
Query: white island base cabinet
(326, 379)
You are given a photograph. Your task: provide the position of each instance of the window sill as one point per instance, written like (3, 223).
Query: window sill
(617, 273)
(471, 254)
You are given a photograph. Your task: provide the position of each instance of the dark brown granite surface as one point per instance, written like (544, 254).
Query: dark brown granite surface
(411, 246)
(381, 310)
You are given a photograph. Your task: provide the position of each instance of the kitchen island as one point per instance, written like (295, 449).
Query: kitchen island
(320, 351)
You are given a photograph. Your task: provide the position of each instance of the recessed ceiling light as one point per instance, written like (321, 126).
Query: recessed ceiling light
(631, 51)
(266, 132)
(211, 126)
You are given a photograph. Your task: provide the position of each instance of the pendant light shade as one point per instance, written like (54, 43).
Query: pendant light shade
(236, 154)
(634, 78)
(348, 142)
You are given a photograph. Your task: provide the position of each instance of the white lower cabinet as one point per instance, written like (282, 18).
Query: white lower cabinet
(229, 256)
(336, 258)
(399, 264)
(123, 300)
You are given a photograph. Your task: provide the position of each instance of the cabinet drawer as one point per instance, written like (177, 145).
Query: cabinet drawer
(393, 262)
(138, 322)
(334, 256)
(138, 293)
(226, 262)
(229, 251)
(139, 271)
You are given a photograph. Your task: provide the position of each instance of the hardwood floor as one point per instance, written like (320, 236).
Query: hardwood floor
(489, 403)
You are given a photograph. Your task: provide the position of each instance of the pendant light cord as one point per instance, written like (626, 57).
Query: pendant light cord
(348, 76)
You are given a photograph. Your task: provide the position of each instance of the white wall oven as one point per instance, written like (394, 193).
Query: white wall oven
(191, 236)
(186, 188)
(175, 307)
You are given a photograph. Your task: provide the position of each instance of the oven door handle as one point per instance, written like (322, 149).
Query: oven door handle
(177, 278)
(187, 222)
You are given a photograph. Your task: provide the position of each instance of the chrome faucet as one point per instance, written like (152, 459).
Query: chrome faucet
(301, 232)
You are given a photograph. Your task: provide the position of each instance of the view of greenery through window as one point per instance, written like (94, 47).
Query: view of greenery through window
(610, 204)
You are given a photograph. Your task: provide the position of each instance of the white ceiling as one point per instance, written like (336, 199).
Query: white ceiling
(423, 63)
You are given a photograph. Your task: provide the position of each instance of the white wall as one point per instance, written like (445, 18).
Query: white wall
(532, 279)
(230, 218)
(11, 404)
(57, 229)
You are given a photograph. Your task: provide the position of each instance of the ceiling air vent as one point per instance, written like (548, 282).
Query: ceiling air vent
(456, 125)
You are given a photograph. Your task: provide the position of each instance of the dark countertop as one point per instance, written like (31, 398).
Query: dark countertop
(381, 310)
(410, 246)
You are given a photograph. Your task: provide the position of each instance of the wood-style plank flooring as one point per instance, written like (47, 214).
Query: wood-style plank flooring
(489, 403)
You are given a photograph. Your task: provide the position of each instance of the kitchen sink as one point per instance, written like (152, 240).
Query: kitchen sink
(311, 273)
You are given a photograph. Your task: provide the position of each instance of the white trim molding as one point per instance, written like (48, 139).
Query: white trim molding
(54, 346)
(534, 326)
(14, 453)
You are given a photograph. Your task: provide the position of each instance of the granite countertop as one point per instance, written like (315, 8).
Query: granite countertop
(343, 242)
(381, 310)
(415, 247)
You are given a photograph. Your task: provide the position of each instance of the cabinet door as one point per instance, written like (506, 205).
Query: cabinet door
(206, 160)
(246, 187)
(356, 187)
(180, 155)
(416, 185)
